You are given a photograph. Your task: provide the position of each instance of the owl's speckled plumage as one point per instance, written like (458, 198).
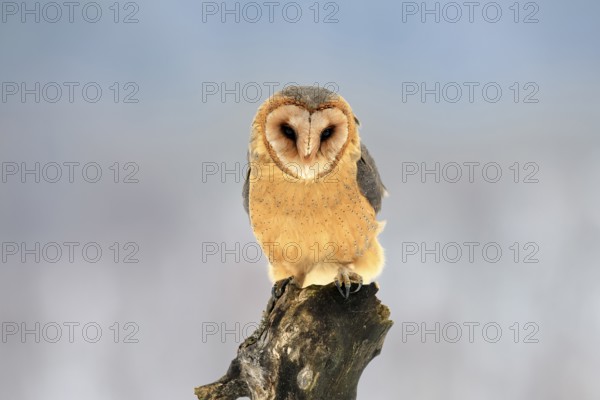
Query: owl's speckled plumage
(313, 190)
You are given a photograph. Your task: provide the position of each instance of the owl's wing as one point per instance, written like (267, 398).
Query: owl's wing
(369, 180)
(246, 190)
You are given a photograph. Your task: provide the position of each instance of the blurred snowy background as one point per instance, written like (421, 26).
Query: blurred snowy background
(178, 94)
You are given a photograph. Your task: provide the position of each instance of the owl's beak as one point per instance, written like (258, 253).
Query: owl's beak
(308, 154)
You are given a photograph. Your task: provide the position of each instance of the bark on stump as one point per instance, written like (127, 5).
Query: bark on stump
(312, 344)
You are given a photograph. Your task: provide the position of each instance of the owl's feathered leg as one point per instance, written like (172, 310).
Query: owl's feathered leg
(280, 271)
(345, 277)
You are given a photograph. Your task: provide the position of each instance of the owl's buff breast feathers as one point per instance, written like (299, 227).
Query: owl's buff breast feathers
(323, 219)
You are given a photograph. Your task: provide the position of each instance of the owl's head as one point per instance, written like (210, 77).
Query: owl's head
(306, 130)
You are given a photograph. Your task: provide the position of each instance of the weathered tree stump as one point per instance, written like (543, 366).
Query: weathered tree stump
(311, 344)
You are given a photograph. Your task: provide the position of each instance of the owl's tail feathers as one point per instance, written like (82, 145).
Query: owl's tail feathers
(381, 226)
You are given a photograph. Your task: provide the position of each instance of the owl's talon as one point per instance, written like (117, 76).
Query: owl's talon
(345, 278)
(279, 287)
(339, 288)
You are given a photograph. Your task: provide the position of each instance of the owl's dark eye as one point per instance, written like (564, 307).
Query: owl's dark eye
(288, 132)
(326, 134)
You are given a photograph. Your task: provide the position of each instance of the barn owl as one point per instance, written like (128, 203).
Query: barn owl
(313, 191)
